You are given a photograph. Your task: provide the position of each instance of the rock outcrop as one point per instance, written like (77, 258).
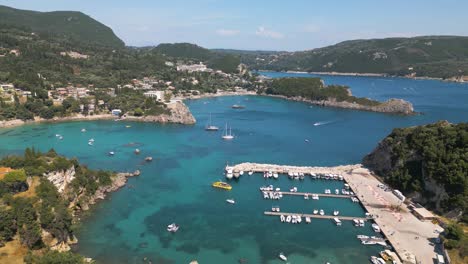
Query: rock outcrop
(179, 114)
(61, 179)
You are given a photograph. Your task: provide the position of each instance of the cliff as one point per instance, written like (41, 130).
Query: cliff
(179, 114)
(427, 163)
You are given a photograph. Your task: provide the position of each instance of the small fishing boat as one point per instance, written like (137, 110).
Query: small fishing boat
(282, 257)
(137, 151)
(335, 213)
(322, 212)
(148, 159)
(282, 218)
(250, 172)
(83, 130)
(231, 201)
(222, 185)
(111, 153)
(315, 211)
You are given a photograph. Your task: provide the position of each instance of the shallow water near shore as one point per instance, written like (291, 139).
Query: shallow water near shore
(176, 187)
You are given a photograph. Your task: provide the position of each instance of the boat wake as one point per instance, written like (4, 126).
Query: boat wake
(321, 123)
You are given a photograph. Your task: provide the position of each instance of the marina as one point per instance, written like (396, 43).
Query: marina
(401, 228)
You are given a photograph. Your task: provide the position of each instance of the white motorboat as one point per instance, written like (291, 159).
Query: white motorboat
(308, 220)
(337, 221)
(60, 138)
(282, 218)
(57, 135)
(322, 212)
(137, 151)
(229, 175)
(337, 191)
(241, 173)
(90, 143)
(299, 219)
(356, 222)
(306, 197)
(231, 201)
(83, 130)
(361, 223)
(335, 213)
(250, 172)
(315, 211)
(172, 228)
(91, 140)
(362, 237)
(275, 175)
(226, 135)
(282, 257)
(376, 228)
(288, 219)
(111, 153)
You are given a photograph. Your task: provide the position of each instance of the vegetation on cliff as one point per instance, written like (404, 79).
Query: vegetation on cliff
(44, 208)
(314, 89)
(430, 162)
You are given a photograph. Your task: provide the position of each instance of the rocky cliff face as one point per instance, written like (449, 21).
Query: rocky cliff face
(61, 179)
(180, 114)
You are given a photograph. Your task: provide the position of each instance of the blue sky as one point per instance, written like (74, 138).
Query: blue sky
(266, 25)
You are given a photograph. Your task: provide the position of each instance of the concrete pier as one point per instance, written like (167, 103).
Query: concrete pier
(318, 194)
(347, 218)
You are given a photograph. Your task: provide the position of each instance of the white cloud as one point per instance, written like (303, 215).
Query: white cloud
(227, 32)
(263, 32)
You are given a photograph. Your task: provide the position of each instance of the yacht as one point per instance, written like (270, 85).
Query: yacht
(226, 135)
(322, 212)
(236, 106)
(210, 127)
(231, 201)
(282, 257)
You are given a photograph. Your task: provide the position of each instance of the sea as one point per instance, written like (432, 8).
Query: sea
(129, 226)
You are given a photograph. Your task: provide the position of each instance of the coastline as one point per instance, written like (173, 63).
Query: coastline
(180, 114)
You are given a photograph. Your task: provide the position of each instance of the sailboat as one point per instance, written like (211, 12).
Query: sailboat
(226, 135)
(210, 127)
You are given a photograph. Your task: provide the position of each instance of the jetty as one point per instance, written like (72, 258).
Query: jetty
(347, 218)
(317, 194)
(285, 169)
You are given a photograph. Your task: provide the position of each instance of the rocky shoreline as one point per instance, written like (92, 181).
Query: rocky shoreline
(391, 106)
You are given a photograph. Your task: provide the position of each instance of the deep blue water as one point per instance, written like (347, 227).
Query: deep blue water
(175, 187)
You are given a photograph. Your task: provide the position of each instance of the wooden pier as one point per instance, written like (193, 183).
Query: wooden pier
(318, 194)
(347, 218)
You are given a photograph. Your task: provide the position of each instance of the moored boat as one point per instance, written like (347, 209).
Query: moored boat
(231, 201)
(282, 257)
(222, 185)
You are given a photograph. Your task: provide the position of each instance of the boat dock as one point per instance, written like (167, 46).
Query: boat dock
(285, 169)
(347, 218)
(311, 194)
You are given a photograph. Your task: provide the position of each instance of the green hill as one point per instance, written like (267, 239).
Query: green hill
(434, 56)
(226, 62)
(75, 25)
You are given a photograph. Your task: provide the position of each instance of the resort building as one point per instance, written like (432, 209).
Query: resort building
(192, 68)
(158, 95)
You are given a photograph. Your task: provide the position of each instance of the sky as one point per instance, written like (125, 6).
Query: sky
(289, 25)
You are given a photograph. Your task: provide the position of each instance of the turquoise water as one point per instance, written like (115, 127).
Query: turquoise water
(176, 186)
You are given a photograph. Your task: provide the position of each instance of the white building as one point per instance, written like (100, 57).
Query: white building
(192, 68)
(158, 95)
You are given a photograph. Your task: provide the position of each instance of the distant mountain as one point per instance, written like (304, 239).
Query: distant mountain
(224, 61)
(434, 56)
(75, 25)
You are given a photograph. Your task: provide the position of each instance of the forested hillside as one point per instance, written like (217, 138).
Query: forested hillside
(434, 56)
(75, 25)
(429, 163)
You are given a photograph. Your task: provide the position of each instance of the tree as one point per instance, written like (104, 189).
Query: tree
(7, 225)
(54, 257)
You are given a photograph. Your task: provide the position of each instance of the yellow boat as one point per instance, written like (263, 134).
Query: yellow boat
(222, 185)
